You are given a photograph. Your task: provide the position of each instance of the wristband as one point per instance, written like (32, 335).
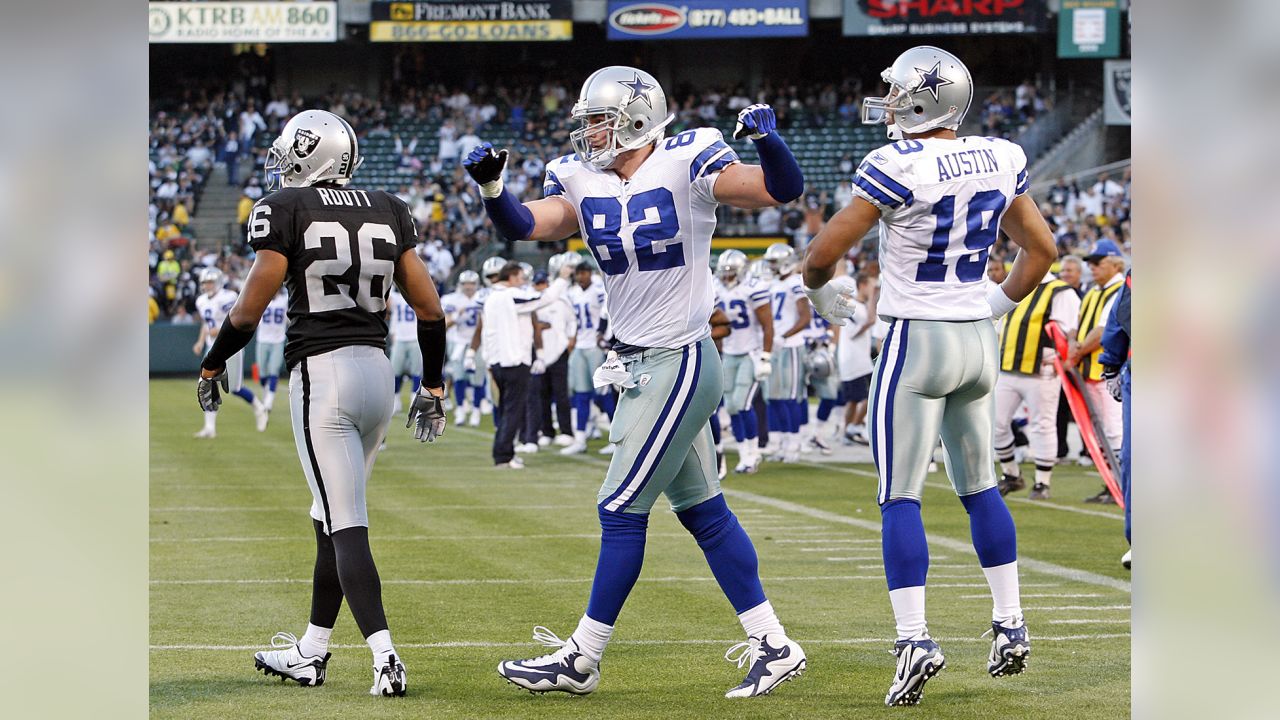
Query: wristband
(1000, 303)
(431, 341)
(491, 189)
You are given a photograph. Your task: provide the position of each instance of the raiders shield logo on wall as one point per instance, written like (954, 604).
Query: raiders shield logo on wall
(305, 142)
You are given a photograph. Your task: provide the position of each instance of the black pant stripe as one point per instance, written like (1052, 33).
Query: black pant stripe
(311, 450)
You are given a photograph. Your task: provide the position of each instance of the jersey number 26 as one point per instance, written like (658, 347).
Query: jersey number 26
(372, 274)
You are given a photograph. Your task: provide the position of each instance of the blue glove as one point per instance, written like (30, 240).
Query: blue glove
(484, 164)
(754, 122)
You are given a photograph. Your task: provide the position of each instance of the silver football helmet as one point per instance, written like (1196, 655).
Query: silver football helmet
(491, 267)
(468, 277)
(620, 108)
(782, 259)
(527, 271)
(928, 88)
(559, 260)
(731, 263)
(820, 363)
(211, 280)
(760, 270)
(314, 146)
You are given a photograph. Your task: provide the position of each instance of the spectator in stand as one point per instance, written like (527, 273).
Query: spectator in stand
(231, 153)
(448, 152)
(406, 162)
(468, 140)
(769, 221)
(251, 123)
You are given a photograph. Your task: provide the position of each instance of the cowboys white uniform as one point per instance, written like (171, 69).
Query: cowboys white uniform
(213, 310)
(406, 356)
(740, 351)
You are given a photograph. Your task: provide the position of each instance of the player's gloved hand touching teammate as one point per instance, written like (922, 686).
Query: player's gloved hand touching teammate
(834, 300)
(427, 410)
(207, 390)
(485, 164)
(754, 122)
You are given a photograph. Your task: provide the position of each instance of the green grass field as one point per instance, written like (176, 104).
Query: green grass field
(472, 558)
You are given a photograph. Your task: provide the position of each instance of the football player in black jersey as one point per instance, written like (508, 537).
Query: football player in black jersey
(338, 250)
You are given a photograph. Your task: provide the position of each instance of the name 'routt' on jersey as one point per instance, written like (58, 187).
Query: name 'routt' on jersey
(940, 201)
(651, 235)
(342, 247)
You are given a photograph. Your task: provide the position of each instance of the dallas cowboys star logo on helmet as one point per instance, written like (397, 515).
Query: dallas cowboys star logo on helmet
(639, 90)
(931, 80)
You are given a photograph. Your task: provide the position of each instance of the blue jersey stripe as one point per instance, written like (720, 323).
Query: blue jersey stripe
(866, 186)
(695, 167)
(1023, 183)
(725, 160)
(552, 186)
(887, 182)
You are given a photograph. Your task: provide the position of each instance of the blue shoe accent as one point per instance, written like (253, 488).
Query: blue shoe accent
(774, 659)
(1009, 649)
(918, 660)
(566, 670)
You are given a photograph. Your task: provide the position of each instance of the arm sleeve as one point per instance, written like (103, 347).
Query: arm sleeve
(1023, 180)
(759, 297)
(408, 234)
(1115, 341)
(431, 341)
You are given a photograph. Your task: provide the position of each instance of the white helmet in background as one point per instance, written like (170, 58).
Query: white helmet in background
(468, 277)
(632, 111)
(491, 267)
(731, 263)
(559, 260)
(211, 280)
(760, 270)
(782, 259)
(928, 88)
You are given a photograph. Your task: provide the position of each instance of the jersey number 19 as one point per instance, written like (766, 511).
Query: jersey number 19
(979, 235)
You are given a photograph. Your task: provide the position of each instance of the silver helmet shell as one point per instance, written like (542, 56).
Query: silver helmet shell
(760, 270)
(820, 363)
(630, 111)
(928, 88)
(559, 260)
(491, 267)
(314, 146)
(468, 276)
(782, 259)
(211, 276)
(731, 263)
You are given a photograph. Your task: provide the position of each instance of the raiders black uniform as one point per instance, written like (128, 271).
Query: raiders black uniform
(342, 247)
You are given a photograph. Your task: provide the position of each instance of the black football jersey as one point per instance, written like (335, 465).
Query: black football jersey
(342, 246)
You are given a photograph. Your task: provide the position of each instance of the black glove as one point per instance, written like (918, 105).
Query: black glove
(485, 164)
(1112, 377)
(207, 391)
(427, 411)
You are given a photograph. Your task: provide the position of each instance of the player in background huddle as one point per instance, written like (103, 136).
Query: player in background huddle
(462, 315)
(745, 353)
(406, 357)
(339, 250)
(940, 201)
(587, 296)
(646, 206)
(212, 305)
(853, 357)
(269, 348)
(791, 318)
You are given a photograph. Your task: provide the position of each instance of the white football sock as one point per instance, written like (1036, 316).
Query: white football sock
(315, 642)
(211, 420)
(760, 621)
(380, 644)
(1010, 468)
(268, 399)
(908, 612)
(1044, 476)
(1003, 580)
(591, 637)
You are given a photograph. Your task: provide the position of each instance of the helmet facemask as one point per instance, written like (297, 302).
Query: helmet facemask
(623, 132)
(286, 166)
(901, 113)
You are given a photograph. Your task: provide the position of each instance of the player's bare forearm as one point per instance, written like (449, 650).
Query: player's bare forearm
(263, 282)
(553, 219)
(475, 334)
(742, 186)
(832, 243)
(419, 290)
(720, 326)
(765, 315)
(804, 316)
(1026, 227)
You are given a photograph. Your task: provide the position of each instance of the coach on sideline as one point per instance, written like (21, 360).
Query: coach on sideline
(507, 343)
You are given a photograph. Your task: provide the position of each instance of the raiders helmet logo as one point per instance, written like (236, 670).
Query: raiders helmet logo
(305, 143)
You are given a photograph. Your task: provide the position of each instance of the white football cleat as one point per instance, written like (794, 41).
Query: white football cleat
(565, 670)
(260, 415)
(918, 660)
(576, 448)
(563, 440)
(475, 419)
(774, 659)
(389, 680)
(486, 407)
(288, 663)
(515, 464)
(1127, 559)
(206, 434)
(527, 448)
(608, 449)
(460, 415)
(1009, 648)
(544, 441)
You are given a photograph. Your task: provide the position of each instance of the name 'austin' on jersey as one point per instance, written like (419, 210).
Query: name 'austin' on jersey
(651, 235)
(342, 246)
(941, 201)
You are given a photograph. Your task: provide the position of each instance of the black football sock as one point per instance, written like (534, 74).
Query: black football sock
(326, 589)
(359, 576)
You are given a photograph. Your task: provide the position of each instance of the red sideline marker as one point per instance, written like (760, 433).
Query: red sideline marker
(1095, 440)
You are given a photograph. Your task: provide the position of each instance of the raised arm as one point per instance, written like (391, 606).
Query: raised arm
(547, 220)
(776, 180)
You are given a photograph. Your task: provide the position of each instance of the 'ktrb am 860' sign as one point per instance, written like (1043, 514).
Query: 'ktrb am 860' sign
(242, 22)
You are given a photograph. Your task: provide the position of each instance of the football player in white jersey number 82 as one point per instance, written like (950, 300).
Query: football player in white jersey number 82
(940, 201)
(646, 206)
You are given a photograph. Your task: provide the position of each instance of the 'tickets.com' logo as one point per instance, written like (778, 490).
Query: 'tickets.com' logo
(647, 19)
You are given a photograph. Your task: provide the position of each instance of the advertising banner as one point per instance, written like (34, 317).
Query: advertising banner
(508, 21)
(1089, 28)
(944, 17)
(242, 22)
(1118, 93)
(692, 19)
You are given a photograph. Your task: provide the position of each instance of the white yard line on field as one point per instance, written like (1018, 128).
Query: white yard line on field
(548, 581)
(402, 538)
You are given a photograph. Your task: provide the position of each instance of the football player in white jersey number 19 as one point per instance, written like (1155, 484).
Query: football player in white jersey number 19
(646, 206)
(940, 201)
(213, 305)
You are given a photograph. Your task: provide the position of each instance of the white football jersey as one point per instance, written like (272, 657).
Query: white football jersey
(274, 320)
(739, 303)
(465, 312)
(784, 294)
(817, 330)
(854, 353)
(404, 323)
(940, 205)
(213, 310)
(651, 235)
(588, 309)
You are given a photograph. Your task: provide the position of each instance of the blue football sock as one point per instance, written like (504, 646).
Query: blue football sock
(399, 382)
(715, 429)
(776, 416)
(906, 551)
(750, 423)
(728, 550)
(417, 382)
(735, 423)
(824, 409)
(622, 537)
(460, 390)
(244, 394)
(582, 406)
(477, 395)
(802, 412)
(991, 526)
(272, 381)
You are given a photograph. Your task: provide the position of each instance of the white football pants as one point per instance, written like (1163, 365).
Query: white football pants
(1040, 393)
